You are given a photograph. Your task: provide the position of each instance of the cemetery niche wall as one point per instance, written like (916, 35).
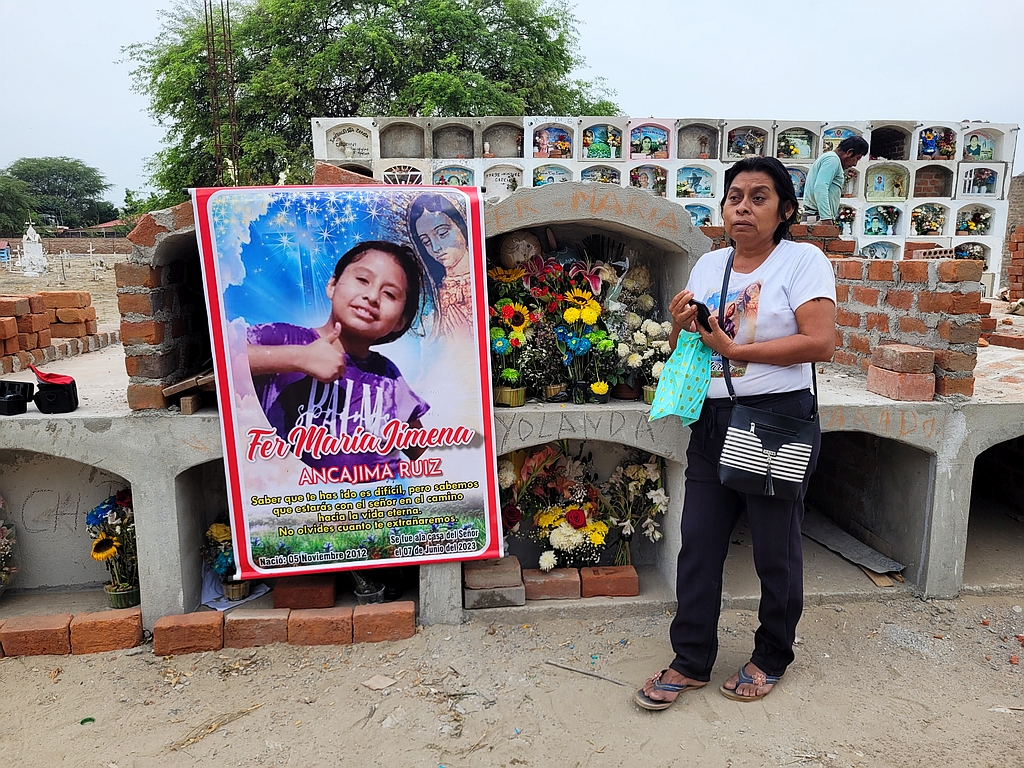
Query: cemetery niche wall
(943, 163)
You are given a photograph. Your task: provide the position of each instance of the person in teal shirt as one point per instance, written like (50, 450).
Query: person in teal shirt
(826, 178)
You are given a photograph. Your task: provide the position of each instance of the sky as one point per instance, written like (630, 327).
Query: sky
(65, 85)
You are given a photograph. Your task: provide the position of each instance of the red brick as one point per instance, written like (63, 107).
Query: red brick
(842, 357)
(842, 292)
(609, 581)
(860, 344)
(903, 358)
(1017, 235)
(44, 338)
(865, 295)
(129, 275)
(28, 340)
(188, 633)
(951, 360)
(60, 299)
(320, 626)
(6, 364)
(960, 270)
(139, 303)
(899, 299)
(250, 627)
(877, 322)
(491, 574)
(67, 330)
(901, 386)
(76, 315)
(1003, 340)
(384, 621)
(36, 303)
(38, 356)
(36, 635)
(145, 232)
(848, 319)
(881, 269)
(556, 584)
(1014, 270)
(824, 230)
(965, 303)
(948, 386)
(912, 325)
(14, 305)
(12, 345)
(8, 327)
(146, 332)
(797, 230)
(327, 174)
(988, 323)
(51, 315)
(985, 308)
(913, 271)
(841, 246)
(963, 333)
(183, 216)
(91, 327)
(33, 323)
(313, 591)
(151, 366)
(144, 396)
(25, 359)
(106, 631)
(929, 301)
(850, 269)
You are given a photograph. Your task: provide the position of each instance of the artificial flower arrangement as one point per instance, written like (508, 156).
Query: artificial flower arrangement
(219, 551)
(656, 185)
(111, 526)
(947, 144)
(927, 219)
(974, 251)
(846, 214)
(973, 222)
(787, 148)
(636, 496)
(511, 322)
(889, 214)
(683, 189)
(8, 550)
(641, 343)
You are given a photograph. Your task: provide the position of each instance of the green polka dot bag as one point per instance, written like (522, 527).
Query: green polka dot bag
(684, 380)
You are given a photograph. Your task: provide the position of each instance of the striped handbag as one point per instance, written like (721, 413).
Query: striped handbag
(765, 453)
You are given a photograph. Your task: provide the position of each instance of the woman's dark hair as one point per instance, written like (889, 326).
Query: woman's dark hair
(780, 180)
(854, 144)
(435, 204)
(415, 290)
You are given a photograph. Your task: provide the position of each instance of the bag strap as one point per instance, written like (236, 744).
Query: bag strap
(725, 360)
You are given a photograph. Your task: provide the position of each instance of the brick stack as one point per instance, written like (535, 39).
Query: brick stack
(822, 236)
(494, 583)
(902, 372)
(43, 327)
(1015, 271)
(925, 303)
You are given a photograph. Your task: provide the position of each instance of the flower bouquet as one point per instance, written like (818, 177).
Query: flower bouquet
(786, 148)
(219, 552)
(845, 217)
(636, 496)
(927, 219)
(889, 214)
(111, 526)
(8, 551)
(973, 251)
(511, 323)
(973, 222)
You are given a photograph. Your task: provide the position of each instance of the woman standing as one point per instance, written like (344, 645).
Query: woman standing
(438, 230)
(795, 326)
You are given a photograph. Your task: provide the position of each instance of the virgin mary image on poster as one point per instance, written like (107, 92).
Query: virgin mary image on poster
(740, 322)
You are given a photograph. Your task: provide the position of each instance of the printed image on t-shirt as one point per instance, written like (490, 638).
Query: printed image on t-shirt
(739, 321)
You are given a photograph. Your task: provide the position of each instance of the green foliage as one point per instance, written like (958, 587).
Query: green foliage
(65, 188)
(15, 206)
(299, 59)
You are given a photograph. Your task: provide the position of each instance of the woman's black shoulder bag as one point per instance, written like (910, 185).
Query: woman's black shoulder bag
(765, 454)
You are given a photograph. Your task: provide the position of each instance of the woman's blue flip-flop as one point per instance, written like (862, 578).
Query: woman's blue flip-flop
(758, 678)
(647, 702)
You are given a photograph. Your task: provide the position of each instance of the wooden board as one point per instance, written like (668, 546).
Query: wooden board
(880, 579)
(192, 382)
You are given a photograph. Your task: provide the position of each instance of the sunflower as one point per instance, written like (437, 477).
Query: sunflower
(579, 297)
(518, 319)
(104, 547)
(506, 275)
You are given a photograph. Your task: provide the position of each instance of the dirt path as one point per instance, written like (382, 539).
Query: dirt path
(897, 683)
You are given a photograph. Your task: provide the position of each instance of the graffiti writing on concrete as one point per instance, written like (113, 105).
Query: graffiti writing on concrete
(598, 201)
(515, 431)
(898, 424)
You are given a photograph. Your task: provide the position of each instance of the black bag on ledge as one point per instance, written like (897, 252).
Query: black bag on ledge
(55, 392)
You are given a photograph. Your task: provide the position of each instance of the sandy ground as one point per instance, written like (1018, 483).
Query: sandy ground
(896, 683)
(77, 275)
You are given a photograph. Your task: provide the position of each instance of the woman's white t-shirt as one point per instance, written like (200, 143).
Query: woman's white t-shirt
(760, 306)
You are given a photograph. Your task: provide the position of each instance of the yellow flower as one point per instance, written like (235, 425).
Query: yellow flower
(599, 387)
(520, 318)
(588, 316)
(596, 538)
(571, 315)
(506, 275)
(579, 297)
(104, 547)
(219, 533)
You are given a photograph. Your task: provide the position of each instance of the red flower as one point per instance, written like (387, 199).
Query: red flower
(576, 517)
(553, 307)
(507, 311)
(516, 342)
(123, 498)
(510, 516)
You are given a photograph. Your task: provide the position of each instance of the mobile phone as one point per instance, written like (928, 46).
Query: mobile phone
(703, 314)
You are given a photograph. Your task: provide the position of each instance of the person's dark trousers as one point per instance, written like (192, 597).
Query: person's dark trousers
(710, 512)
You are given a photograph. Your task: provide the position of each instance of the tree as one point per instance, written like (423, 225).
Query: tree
(15, 206)
(63, 187)
(298, 59)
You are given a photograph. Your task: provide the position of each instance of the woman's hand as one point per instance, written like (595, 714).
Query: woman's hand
(717, 340)
(684, 315)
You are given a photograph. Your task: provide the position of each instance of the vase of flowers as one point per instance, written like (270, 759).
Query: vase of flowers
(111, 526)
(889, 214)
(927, 219)
(845, 217)
(8, 551)
(635, 495)
(219, 552)
(513, 397)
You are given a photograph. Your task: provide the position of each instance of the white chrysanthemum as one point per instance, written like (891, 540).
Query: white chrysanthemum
(652, 329)
(628, 283)
(623, 350)
(633, 320)
(645, 302)
(547, 560)
(656, 369)
(666, 327)
(640, 338)
(651, 352)
(565, 537)
(641, 277)
(666, 348)
(506, 474)
(634, 360)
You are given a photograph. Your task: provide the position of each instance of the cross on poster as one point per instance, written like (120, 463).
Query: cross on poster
(350, 345)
